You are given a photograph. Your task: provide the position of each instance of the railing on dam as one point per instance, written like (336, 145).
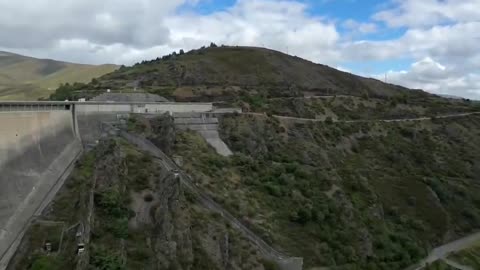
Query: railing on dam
(106, 107)
(21, 107)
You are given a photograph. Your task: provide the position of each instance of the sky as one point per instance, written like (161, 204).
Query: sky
(422, 44)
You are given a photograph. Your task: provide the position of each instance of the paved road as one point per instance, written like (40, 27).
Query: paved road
(457, 265)
(442, 252)
(299, 119)
(313, 97)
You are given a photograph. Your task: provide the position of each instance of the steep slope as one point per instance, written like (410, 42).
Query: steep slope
(131, 213)
(343, 195)
(27, 78)
(224, 73)
(370, 195)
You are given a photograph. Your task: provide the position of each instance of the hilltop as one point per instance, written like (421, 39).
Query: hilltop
(266, 81)
(28, 78)
(224, 73)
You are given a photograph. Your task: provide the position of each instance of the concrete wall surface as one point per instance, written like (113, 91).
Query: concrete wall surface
(35, 150)
(206, 125)
(90, 125)
(142, 107)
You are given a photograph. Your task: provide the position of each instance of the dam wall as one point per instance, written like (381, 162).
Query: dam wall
(91, 116)
(141, 107)
(36, 148)
(39, 144)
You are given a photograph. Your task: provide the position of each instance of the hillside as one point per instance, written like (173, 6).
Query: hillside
(27, 78)
(352, 195)
(345, 172)
(224, 73)
(267, 81)
(131, 213)
(362, 195)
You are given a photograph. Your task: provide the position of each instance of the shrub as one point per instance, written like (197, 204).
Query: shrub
(45, 263)
(111, 203)
(102, 259)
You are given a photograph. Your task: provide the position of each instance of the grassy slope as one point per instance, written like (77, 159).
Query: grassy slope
(359, 196)
(26, 78)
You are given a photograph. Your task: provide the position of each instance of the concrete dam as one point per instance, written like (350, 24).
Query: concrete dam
(39, 144)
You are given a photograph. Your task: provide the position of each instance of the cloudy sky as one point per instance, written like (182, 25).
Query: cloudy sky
(428, 44)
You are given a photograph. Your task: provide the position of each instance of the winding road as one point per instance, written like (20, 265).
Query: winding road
(442, 252)
(299, 119)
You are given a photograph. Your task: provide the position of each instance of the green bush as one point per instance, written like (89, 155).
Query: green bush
(111, 202)
(103, 259)
(45, 262)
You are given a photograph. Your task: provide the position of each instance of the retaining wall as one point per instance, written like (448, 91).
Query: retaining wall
(206, 124)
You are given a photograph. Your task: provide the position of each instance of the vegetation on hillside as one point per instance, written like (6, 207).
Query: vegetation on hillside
(355, 108)
(140, 218)
(224, 73)
(354, 196)
(262, 80)
(362, 195)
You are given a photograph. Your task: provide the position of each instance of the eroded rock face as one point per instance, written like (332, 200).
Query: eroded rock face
(136, 215)
(171, 227)
(187, 236)
(163, 132)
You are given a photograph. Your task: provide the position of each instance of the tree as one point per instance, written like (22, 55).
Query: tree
(213, 45)
(182, 52)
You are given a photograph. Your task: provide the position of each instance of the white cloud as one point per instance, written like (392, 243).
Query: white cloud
(455, 46)
(280, 25)
(434, 77)
(128, 31)
(450, 42)
(425, 13)
(362, 28)
(124, 32)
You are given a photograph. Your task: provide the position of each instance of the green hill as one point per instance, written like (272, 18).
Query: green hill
(224, 73)
(27, 78)
(263, 80)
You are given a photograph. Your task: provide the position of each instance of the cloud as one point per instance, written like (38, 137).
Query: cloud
(363, 28)
(454, 48)
(41, 23)
(280, 25)
(425, 13)
(124, 32)
(128, 31)
(434, 77)
(454, 42)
